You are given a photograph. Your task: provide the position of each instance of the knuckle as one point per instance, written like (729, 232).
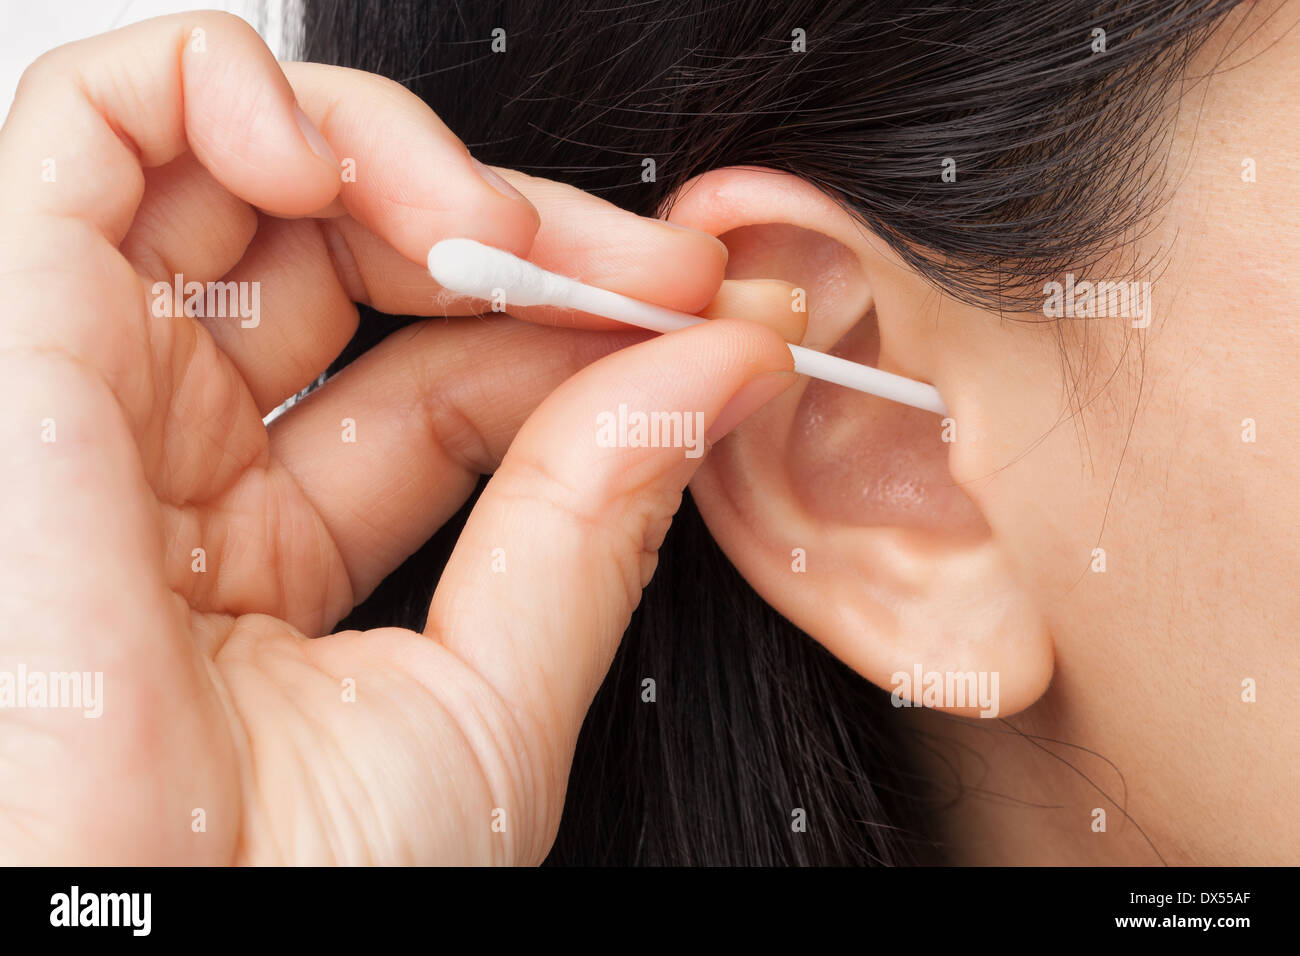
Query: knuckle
(531, 478)
(42, 71)
(625, 526)
(455, 432)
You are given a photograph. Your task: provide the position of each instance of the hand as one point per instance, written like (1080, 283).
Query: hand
(154, 531)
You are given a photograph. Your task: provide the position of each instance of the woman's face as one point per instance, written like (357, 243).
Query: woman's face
(1112, 529)
(1178, 661)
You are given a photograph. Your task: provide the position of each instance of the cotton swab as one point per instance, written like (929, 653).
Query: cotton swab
(467, 267)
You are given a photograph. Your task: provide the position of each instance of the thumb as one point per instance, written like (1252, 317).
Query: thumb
(553, 559)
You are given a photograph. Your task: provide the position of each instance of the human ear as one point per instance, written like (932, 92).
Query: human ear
(841, 509)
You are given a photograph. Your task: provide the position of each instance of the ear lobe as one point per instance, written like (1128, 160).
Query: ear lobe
(838, 507)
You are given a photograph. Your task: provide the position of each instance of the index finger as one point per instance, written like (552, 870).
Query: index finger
(143, 95)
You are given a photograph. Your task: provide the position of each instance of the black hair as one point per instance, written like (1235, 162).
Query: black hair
(1056, 132)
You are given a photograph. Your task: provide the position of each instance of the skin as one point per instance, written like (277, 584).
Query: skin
(1120, 690)
(227, 735)
(971, 554)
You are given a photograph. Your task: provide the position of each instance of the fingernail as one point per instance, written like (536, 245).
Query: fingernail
(699, 233)
(752, 396)
(493, 179)
(313, 136)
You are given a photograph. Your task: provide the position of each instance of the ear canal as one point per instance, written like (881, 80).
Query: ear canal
(860, 461)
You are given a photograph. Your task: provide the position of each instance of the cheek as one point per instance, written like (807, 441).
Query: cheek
(1167, 504)
(1212, 486)
(1036, 492)
(1040, 471)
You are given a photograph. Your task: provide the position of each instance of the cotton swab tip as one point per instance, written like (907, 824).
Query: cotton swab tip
(467, 267)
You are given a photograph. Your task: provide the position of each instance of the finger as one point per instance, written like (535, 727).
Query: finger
(649, 259)
(311, 271)
(140, 97)
(398, 151)
(766, 301)
(404, 175)
(187, 224)
(429, 415)
(300, 314)
(552, 562)
(580, 235)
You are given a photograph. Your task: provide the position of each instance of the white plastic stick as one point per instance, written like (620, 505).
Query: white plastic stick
(470, 268)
